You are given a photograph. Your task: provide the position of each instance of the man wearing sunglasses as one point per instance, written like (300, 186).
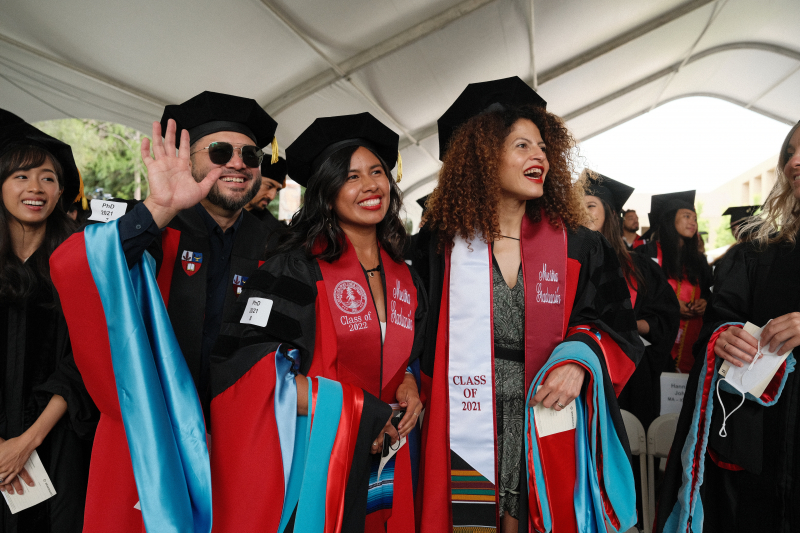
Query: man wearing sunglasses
(208, 243)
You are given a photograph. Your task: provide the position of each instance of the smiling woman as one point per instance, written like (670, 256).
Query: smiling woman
(341, 294)
(41, 382)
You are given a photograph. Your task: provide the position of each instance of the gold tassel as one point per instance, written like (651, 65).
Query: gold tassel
(274, 150)
(81, 196)
(399, 167)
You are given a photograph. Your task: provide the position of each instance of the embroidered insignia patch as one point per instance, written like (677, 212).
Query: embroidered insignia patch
(350, 297)
(238, 283)
(191, 262)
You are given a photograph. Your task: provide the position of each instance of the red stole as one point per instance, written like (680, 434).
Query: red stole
(689, 329)
(359, 358)
(547, 309)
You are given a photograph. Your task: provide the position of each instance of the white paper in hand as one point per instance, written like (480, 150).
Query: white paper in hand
(42, 490)
(257, 311)
(549, 421)
(106, 210)
(754, 380)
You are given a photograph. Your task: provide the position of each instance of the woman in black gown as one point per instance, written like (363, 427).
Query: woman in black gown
(654, 303)
(745, 477)
(40, 383)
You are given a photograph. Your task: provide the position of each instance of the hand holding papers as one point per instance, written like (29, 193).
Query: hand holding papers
(41, 490)
(755, 377)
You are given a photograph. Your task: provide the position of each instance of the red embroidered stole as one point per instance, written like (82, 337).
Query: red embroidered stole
(360, 359)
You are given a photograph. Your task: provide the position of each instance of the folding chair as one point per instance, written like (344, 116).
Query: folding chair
(638, 443)
(660, 435)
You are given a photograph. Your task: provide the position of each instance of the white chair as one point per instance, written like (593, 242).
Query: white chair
(638, 443)
(660, 435)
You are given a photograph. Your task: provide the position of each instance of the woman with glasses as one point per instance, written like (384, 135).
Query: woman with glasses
(734, 460)
(46, 414)
(340, 295)
(524, 301)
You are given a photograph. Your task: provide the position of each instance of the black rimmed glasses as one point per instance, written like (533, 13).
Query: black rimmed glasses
(221, 152)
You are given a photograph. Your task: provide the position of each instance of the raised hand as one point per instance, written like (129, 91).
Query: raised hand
(172, 186)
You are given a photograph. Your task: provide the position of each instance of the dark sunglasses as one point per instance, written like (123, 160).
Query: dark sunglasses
(221, 152)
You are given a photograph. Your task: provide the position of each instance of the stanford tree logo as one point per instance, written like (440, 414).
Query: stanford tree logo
(350, 297)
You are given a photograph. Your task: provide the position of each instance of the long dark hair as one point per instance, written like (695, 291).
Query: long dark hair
(316, 224)
(678, 261)
(20, 280)
(612, 226)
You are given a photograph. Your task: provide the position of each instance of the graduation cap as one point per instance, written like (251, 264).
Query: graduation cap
(210, 112)
(612, 192)
(327, 135)
(661, 204)
(741, 212)
(422, 201)
(16, 132)
(275, 171)
(481, 97)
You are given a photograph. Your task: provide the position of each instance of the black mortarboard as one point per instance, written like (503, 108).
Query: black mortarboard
(16, 132)
(275, 171)
(661, 204)
(485, 96)
(327, 135)
(422, 201)
(612, 192)
(740, 212)
(210, 112)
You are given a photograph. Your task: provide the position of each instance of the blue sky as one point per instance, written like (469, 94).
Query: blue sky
(692, 143)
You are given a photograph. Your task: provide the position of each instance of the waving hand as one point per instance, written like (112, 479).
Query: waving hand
(172, 186)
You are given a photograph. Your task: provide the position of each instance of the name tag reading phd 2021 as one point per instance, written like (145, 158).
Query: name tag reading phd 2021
(257, 311)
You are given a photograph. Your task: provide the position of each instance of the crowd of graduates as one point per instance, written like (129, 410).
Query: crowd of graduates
(189, 362)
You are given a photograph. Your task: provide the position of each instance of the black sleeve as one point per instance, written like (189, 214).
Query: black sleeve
(138, 233)
(602, 297)
(289, 281)
(66, 381)
(659, 305)
(420, 318)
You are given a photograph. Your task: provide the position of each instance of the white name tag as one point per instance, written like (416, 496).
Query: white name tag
(257, 311)
(549, 421)
(105, 210)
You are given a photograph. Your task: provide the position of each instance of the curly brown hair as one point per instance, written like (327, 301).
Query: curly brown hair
(465, 200)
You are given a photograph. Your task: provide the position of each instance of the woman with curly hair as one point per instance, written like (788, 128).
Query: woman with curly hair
(46, 409)
(745, 476)
(341, 295)
(514, 277)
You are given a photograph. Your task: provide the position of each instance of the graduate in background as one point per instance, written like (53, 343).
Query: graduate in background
(45, 406)
(514, 277)
(341, 295)
(676, 249)
(273, 179)
(747, 476)
(654, 303)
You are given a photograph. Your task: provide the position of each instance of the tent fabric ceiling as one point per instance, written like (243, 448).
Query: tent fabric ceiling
(597, 63)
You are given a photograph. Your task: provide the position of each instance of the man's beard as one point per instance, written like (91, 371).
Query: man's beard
(626, 227)
(233, 204)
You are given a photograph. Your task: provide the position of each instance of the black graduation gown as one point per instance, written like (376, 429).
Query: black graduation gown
(602, 298)
(274, 227)
(290, 281)
(186, 304)
(754, 287)
(658, 305)
(36, 363)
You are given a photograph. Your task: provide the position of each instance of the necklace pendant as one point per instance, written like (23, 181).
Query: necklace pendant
(372, 274)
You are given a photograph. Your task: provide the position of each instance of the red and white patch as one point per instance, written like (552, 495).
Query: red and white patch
(191, 262)
(350, 297)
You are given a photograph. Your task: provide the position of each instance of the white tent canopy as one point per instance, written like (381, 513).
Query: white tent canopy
(597, 63)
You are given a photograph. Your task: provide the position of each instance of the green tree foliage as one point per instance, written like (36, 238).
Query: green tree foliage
(107, 154)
